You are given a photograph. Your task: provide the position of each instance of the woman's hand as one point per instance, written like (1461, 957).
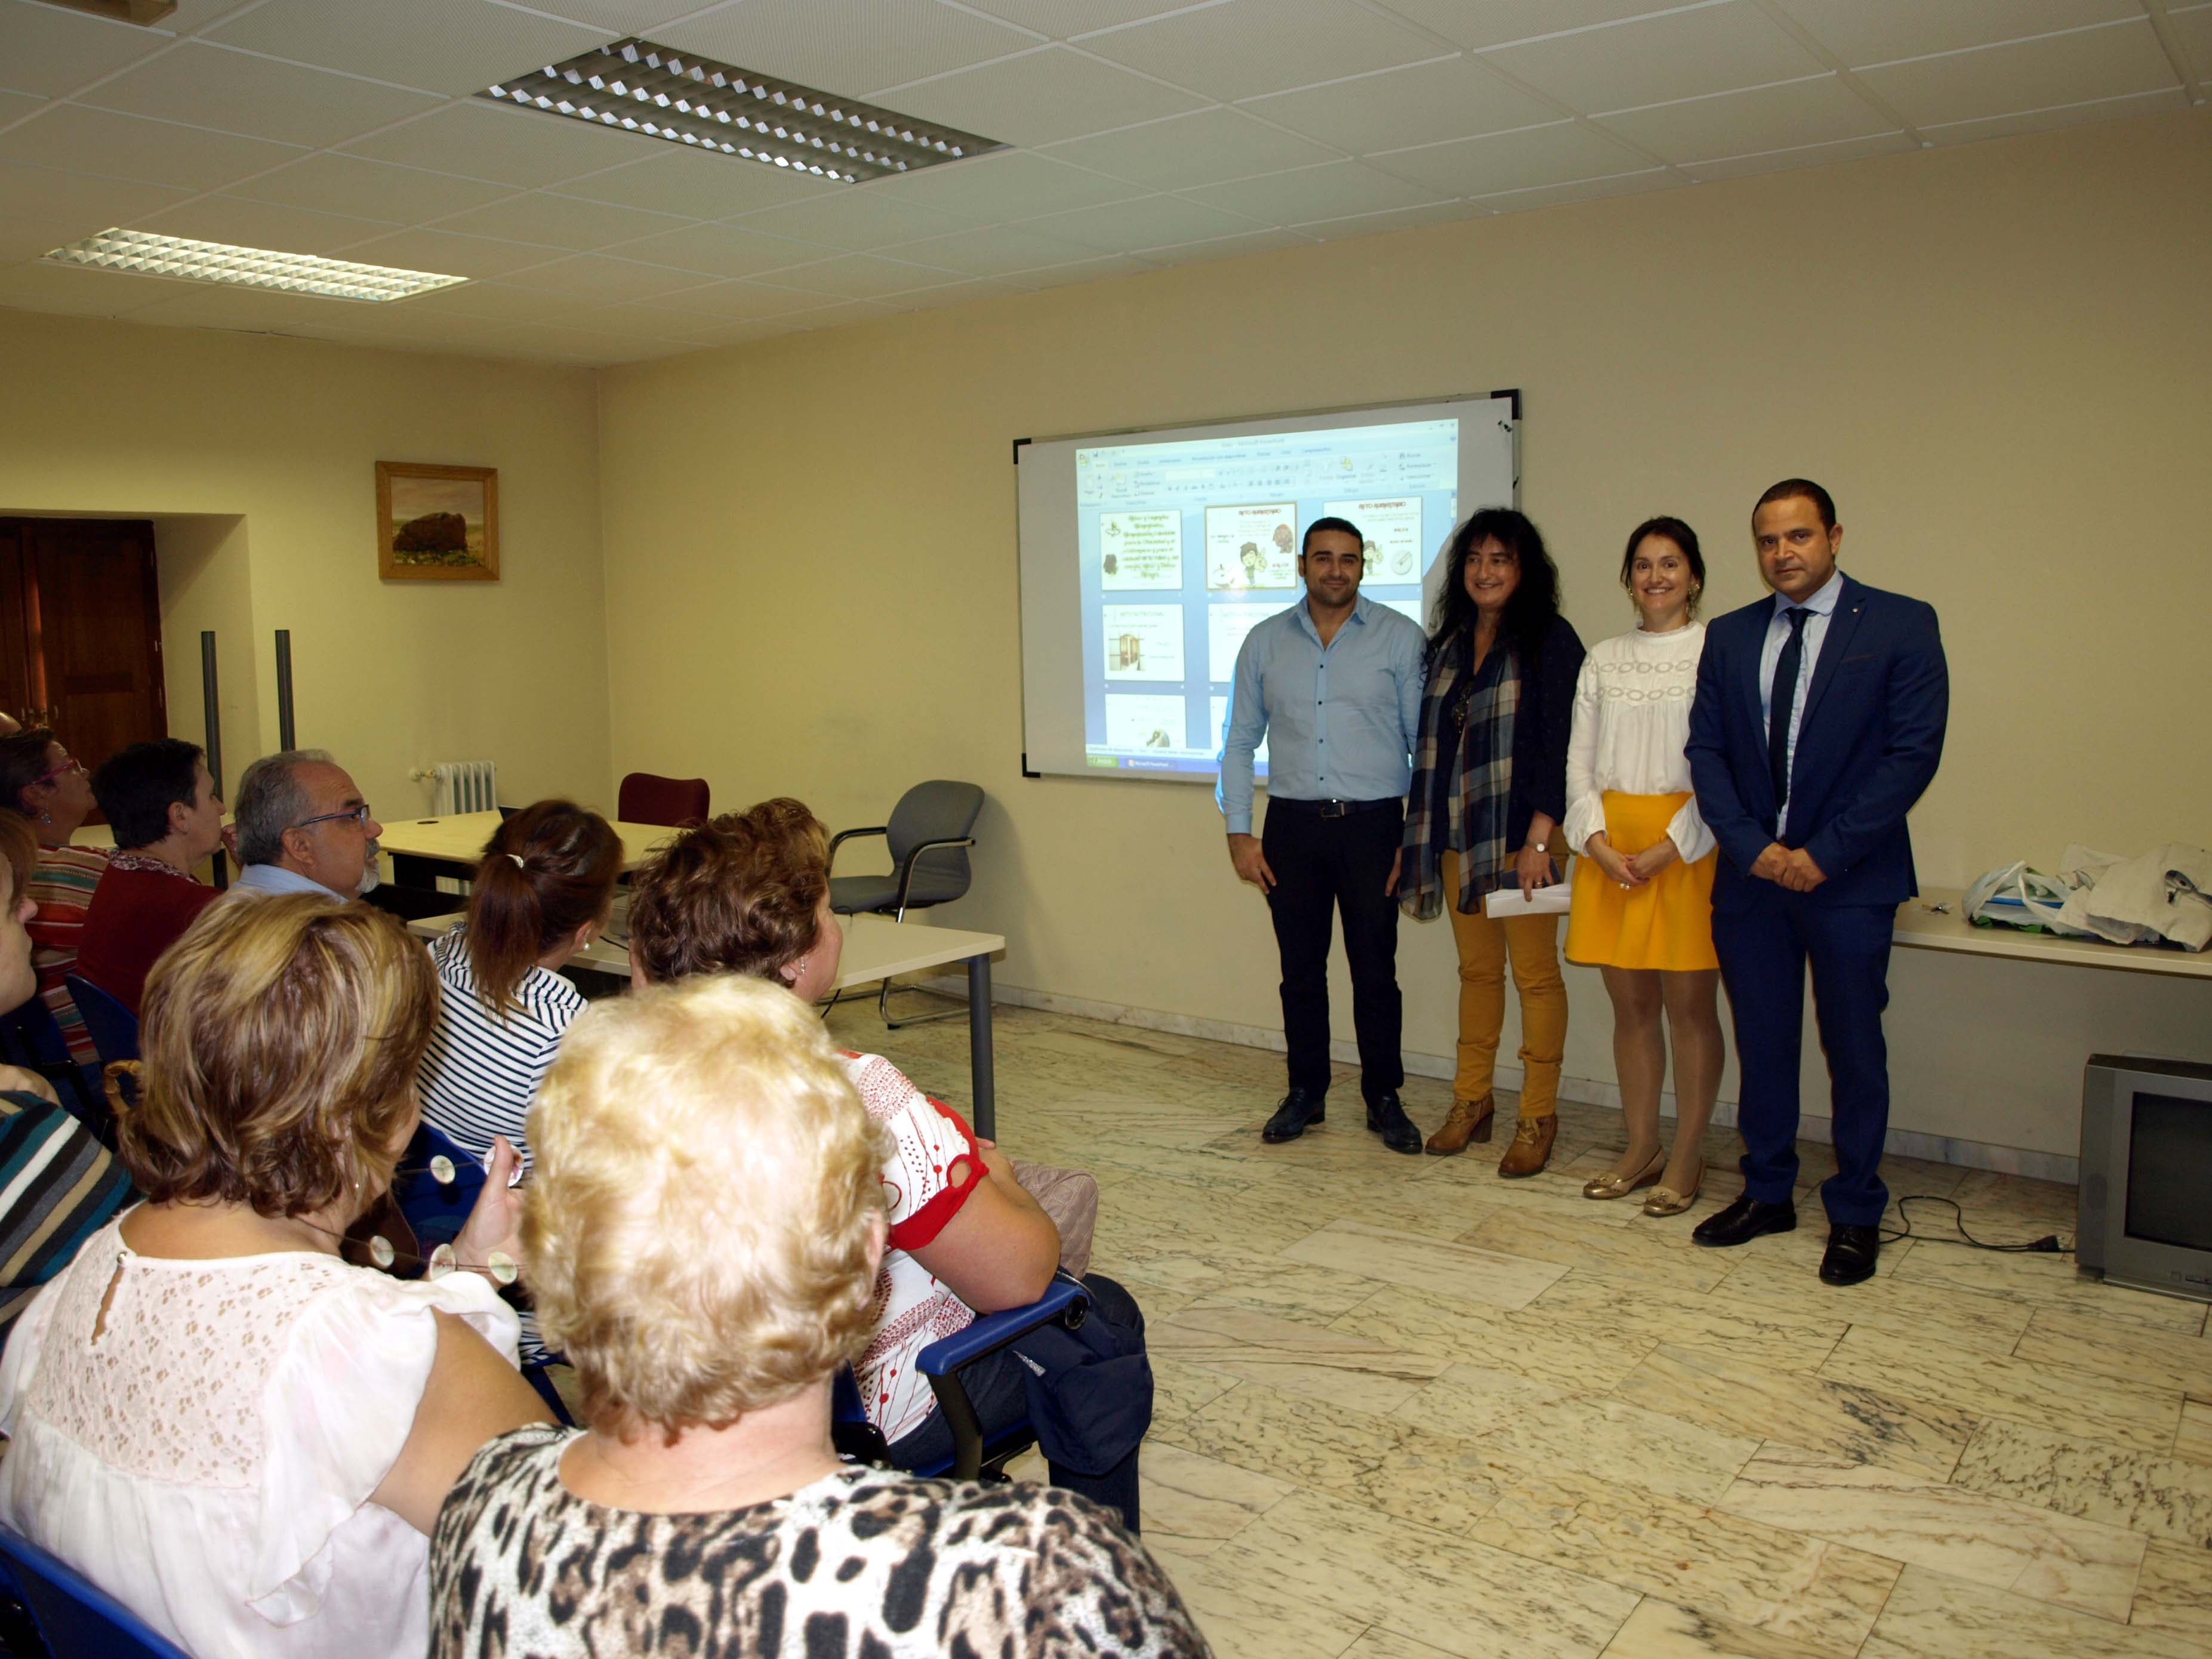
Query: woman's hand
(1655, 858)
(1532, 869)
(494, 1225)
(1618, 869)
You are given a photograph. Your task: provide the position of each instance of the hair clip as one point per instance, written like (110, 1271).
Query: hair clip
(519, 864)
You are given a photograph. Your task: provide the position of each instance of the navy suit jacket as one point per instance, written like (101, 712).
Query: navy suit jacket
(1868, 745)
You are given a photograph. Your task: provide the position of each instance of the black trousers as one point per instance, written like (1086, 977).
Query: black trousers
(1324, 866)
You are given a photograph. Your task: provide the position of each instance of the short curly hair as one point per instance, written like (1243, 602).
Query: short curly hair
(278, 1049)
(715, 1254)
(739, 894)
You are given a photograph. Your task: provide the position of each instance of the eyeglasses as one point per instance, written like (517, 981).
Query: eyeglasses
(358, 814)
(61, 771)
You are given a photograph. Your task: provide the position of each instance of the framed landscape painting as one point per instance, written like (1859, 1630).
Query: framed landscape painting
(437, 523)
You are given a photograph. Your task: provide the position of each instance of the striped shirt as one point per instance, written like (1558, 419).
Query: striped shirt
(58, 1186)
(61, 885)
(480, 1073)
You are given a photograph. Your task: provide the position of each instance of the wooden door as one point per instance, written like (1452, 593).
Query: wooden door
(80, 631)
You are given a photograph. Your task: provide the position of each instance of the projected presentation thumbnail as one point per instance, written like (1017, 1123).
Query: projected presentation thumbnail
(1188, 546)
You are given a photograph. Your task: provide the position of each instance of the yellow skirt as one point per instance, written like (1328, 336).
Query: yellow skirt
(1667, 923)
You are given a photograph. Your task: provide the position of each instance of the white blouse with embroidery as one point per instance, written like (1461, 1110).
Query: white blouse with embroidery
(1631, 726)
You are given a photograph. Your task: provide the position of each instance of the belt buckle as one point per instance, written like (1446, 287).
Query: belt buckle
(1333, 809)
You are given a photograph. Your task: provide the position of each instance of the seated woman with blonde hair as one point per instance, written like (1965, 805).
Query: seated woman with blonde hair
(706, 1267)
(749, 893)
(210, 1414)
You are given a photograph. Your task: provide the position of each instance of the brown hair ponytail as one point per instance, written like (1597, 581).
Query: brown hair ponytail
(546, 871)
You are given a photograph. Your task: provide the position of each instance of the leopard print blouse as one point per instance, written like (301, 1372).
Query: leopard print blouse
(864, 1564)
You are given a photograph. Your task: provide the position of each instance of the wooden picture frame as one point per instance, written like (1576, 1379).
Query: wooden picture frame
(436, 524)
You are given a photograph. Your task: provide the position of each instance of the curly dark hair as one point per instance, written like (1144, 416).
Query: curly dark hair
(1535, 605)
(739, 893)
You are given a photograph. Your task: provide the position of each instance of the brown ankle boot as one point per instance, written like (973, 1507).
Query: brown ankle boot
(1532, 1147)
(1470, 1120)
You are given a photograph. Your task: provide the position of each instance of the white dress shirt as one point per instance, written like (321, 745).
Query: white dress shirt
(1822, 605)
(1632, 726)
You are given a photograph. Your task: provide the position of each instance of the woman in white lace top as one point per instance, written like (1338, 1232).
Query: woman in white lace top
(209, 1413)
(1644, 885)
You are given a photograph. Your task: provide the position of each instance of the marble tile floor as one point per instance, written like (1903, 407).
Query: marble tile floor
(1406, 1410)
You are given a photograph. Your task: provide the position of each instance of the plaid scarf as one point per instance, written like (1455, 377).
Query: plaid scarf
(1461, 790)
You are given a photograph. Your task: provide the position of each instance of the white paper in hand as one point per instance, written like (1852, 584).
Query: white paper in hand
(1507, 901)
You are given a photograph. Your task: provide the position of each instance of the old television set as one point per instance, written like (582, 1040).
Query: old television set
(2146, 1193)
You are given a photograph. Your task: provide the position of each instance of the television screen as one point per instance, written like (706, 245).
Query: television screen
(2169, 1152)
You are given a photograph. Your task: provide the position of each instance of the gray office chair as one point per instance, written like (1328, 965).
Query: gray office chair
(929, 837)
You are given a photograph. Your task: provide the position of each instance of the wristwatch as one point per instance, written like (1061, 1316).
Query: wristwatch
(1542, 846)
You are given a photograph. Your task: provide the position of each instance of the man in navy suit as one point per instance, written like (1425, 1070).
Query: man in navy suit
(1818, 722)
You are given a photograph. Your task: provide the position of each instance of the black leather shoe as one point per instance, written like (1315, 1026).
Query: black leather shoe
(1850, 1254)
(1387, 1118)
(1298, 1111)
(1744, 1220)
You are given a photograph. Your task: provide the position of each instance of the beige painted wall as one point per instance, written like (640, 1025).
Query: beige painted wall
(1996, 356)
(256, 457)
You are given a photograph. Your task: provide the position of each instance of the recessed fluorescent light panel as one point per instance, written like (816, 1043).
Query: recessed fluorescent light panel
(148, 255)
(634, 86)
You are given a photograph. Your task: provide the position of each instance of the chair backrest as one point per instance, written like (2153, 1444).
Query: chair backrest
(112, 1026)
(939, 809)
(648, 797)
(73, 1614)
(436, 1210)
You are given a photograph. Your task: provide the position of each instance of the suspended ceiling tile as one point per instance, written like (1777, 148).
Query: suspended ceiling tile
(858, 276)
(852, 50)
(730, 334)
(1806, 155)
(448, 254)
(1369, 224)
(77, 198)
(856, 218)
(49, 52)
(1331, 191)
(212, 305)
(618, 16)
(2193, 29)
(402, 320)
(453, 48)
(1062, 18)
(236, 92)
(2067, 115)
(1558, 154)
(34, 236)
(1582, 189)
(1862, 32)
(722, 250)
(500, 303)
(2109, 61)
(604, 279)
(1677, 55)
(1148, 221)
(1241, 48)
(14, 106)
(1816, 111)
(1477, 23)
(505, 146)
(1202, 148)
(1085, 271)
(241, 224)
(558, 222)
(964, 292)
(732, 302)
(992, 251)
(1013, 183)
(843, 312)
(31, 284)
(132, 147)
(1037, 99)
(380, 190)
(1423, 104)
(697, 186)
(1227, 247)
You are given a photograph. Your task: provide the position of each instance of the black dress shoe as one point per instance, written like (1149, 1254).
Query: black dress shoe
(1299, 1110)
(1387, 1118)
(1743, 1221)
(1850, 1254)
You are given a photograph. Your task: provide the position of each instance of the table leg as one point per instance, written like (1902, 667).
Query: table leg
(981, 1089)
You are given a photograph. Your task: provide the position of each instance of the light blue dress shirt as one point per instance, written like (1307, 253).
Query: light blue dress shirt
(1822, 605)
(275, 879)
(1341, 723)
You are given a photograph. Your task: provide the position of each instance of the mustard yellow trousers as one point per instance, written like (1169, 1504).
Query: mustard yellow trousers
(1531, 944)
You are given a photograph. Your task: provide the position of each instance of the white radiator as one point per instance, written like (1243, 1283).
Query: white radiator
(465, 786)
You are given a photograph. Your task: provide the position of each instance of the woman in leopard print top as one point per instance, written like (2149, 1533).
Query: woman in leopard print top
(707, 1266)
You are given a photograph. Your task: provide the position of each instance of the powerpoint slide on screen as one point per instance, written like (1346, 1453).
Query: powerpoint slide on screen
(1148, 558)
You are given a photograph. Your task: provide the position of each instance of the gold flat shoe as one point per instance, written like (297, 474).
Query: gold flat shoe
(1614, 1186)
(1665, 1200)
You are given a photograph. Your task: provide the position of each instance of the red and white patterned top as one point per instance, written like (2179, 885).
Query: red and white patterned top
(934, 1168)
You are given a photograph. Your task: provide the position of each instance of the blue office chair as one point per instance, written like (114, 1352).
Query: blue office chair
(113, 1027)
(72, 1614)
(973, 1458)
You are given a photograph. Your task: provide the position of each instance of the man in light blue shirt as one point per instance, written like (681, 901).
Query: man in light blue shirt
(1334, 685)
(303, 827)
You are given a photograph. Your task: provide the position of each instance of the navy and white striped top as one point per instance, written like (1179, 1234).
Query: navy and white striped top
(480, 1073)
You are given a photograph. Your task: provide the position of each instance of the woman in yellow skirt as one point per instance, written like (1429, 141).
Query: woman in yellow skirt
(1642, 893)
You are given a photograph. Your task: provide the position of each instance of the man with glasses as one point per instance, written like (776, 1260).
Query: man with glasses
(303, 827)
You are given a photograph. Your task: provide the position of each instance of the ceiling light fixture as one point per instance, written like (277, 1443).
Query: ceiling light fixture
(144, 254)
(634, 85)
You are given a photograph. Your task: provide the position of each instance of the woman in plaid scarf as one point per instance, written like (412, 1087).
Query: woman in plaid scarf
(1490, 786)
